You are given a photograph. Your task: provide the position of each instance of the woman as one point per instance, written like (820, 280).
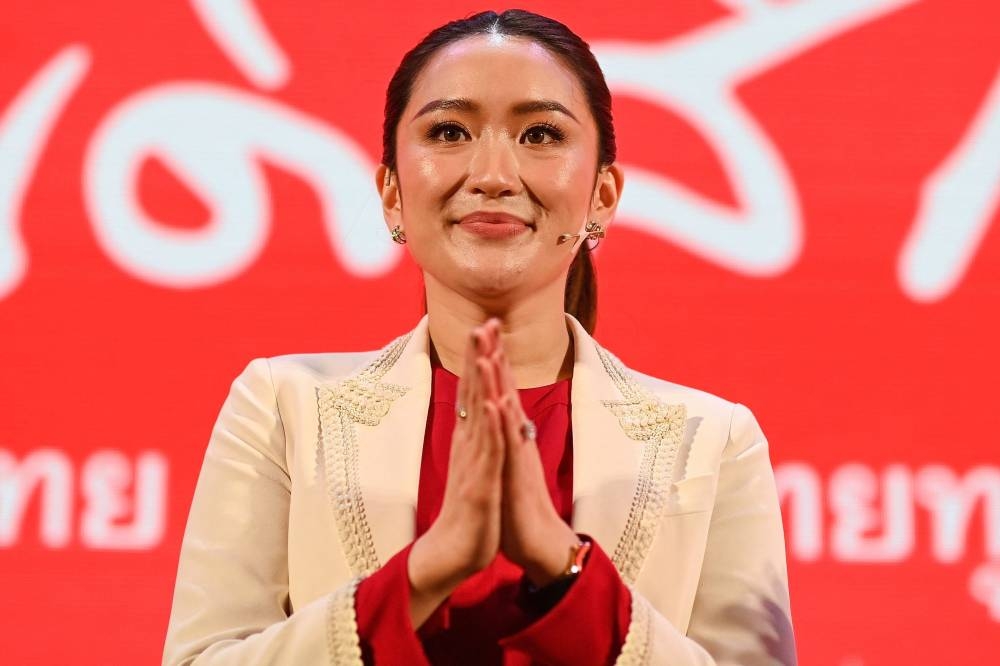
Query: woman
(493, 486)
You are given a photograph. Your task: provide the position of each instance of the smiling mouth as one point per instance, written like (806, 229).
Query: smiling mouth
(494, 225)
(485, 217)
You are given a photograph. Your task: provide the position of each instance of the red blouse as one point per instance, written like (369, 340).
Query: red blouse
(483, 621)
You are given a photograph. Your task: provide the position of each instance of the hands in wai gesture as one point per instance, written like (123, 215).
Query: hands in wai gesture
(495, 498)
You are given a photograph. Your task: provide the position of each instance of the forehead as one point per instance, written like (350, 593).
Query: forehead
(497, 71)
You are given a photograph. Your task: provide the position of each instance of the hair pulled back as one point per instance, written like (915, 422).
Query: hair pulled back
(581, 285)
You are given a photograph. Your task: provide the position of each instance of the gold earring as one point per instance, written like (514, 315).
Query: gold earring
(594, 231)
(398, 235)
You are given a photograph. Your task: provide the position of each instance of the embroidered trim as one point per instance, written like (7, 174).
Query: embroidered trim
(359, 398)
(636, 648)
(342, 638)
(645, 418)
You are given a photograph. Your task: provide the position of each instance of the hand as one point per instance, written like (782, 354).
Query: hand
(465, 537)
(533, 535)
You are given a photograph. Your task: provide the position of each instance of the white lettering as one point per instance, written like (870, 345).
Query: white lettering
(106, 478)
(951, 501)
(799, 488)
(111, 493)
(854, 489)
(697, 76)
(956, 207)
(24, 129)
(213, 138)
(51, 472)
(240, 32)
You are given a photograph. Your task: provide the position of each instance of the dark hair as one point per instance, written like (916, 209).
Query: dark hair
(581, 286)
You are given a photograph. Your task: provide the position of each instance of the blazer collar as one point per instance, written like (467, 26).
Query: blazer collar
(372, 428)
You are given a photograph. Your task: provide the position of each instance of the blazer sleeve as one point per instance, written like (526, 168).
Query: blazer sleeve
(741, 614)
(231, 602)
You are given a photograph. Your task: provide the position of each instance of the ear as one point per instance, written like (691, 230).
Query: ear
(388, 191)
(607, 193)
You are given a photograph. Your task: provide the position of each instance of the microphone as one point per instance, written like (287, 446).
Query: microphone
(592, 228)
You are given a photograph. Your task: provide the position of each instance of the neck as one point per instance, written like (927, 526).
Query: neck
(534, 332)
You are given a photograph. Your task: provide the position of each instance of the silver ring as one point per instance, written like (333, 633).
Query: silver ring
(460, 412)
(528, 430)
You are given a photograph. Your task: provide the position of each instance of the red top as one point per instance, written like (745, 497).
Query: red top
(483, 621)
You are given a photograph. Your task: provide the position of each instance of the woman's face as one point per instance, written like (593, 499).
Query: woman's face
(496, 125)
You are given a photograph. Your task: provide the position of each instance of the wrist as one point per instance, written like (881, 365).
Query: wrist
(430, 569)
(549, 562)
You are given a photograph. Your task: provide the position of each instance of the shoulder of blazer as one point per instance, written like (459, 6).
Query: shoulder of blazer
(734, 421)
(317, 367)
(696, 401)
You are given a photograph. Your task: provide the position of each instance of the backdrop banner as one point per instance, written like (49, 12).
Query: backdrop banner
(809, 226)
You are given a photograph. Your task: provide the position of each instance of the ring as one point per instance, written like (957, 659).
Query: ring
(460, 412)
(528, 430)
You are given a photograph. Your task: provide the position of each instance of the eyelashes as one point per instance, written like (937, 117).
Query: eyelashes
(553, 131)
(536, 130)
(436, 130)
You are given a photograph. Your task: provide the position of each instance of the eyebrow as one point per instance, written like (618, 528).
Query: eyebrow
(519, 109)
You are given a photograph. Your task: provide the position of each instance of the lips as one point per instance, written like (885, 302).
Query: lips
(492, 218)
(494, 224)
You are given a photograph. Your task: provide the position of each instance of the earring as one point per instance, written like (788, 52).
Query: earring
(594, 231)
(398, 235)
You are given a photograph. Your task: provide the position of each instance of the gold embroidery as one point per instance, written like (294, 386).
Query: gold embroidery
(342, 626)
(645, 418)
(359, 398)
(635, 649)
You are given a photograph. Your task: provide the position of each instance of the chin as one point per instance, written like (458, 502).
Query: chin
(492, 281)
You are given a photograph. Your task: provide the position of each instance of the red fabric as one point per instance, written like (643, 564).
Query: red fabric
(482, 622)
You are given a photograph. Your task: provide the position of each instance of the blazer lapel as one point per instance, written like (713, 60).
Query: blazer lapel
(372, 427)
(371, 436)
(625, 442)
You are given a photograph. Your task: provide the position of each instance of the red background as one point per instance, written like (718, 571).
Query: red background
(839, 363)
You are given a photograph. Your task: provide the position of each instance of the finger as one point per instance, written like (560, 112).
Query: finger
(470, 401)
(494, 433)
(485, 340)
(473, 409)
(463, 393)
(483, 390)
(510, 400)
(505, 384)
(511, 433)
(494, 330)
(491, 378)
(509, 386)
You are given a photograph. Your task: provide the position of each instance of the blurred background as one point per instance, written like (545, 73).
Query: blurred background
(809, 226)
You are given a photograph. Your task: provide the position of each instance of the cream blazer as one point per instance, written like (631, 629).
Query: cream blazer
(309, 483)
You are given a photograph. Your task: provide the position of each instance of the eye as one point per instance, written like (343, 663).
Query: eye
(537, 134)
(447, 132)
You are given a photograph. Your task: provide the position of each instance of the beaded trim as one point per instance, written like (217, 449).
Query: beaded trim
(359, 398)
(645, 418)
(342, 639)
(636, 648)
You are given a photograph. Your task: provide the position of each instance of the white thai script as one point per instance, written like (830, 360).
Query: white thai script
(123, 507)
(873, 516)
(214, 137)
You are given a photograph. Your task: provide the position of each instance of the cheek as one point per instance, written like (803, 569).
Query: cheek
(565, 182)
(428, 172)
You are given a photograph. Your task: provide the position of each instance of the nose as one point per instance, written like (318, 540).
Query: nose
(493, 170)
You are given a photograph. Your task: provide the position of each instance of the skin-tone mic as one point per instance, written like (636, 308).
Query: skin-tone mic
(592, 228)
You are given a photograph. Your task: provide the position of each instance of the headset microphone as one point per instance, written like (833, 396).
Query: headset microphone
(580, 237)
